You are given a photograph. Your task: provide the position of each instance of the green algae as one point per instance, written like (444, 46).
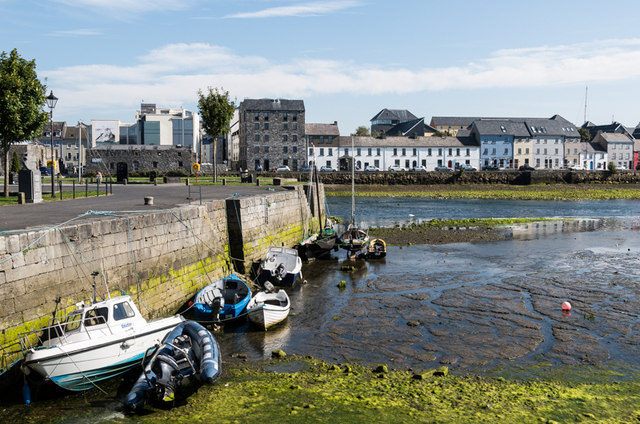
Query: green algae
(358, 394)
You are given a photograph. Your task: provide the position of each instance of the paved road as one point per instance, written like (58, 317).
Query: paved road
(124, 198)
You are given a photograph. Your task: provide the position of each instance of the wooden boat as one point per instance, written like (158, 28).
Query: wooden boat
(222, 300)
(267, 308)
(354, 240)
(188, 354)
(322, 243)
(376, 249)
(282, 267)
(96, 341)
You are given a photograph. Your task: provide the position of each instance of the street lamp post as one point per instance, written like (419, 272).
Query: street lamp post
(51, 103)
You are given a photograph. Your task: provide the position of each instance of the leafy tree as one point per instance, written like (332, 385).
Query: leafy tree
(216, 111)
(15, 162)
(362, 131)
(613, 168)
(585, 135)
(21, 104)
(445, 133)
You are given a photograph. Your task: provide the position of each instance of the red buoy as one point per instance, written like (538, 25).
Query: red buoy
(566, 306)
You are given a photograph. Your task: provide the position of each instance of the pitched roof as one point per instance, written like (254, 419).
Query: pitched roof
(400, 114)
(427, 141)
(501, 126)
(272, 104)
(543, 126)
(322, 129)
(615, 137)
(407, 128)
(463, 121)
(594, 148)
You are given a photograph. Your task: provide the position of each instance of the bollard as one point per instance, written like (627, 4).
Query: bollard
(224, 181)
(124, 181)
(258, 182)
(155, 181)
(148, 200)
(187, 182)
(21, 200)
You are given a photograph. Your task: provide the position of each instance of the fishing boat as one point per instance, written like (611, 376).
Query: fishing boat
(222, 300)
(354, 239)
(97, 341)
(267, 308)
(189, 354)
(320, 244)
(376, 249)
(282, 267)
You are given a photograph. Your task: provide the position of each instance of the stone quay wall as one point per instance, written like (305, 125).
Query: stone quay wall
(160, 258)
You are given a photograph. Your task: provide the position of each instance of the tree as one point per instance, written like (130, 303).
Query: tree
(15, 162)
(216, 111)
(362, 131)
(21, 104)
(585, 135)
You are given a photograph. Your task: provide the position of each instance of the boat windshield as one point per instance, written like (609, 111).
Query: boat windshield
(72, 321)
(96, 316)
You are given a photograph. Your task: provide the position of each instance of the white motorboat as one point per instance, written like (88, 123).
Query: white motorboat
(281, 267)
(96, 341)
(267, 309)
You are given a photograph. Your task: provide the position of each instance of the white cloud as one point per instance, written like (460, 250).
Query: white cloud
(129, 5)
(306, 9)
(75, 32)
(173, 74)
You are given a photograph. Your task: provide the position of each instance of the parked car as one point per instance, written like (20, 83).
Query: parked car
(327, 169)
(283, 168)
(372, 168)
(305, 168)
(527, 168)
(466, 167)
(490, 168)
(443, 169)
(396, 168)
(418, 169)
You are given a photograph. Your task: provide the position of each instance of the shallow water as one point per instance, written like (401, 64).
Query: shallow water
(476, 307)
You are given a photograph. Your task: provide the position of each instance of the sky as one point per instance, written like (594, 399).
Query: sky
(347, 59)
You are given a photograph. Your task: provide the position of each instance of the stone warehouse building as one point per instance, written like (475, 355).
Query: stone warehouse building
(108, 159)
(272, 133)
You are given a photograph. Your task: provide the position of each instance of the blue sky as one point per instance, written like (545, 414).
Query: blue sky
(347, 59)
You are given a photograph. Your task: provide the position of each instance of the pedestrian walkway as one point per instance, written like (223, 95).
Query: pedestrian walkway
(124, 198)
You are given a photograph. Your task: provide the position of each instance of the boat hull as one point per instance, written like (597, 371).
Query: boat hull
(233, 307)
(266, 315)
(80, 366)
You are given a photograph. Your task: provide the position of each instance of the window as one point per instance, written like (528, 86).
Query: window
(395, 151)
(266, 149)
(322, 151)
(285, 116)
(266, 125)
(266, 116)
(503, 129)
(256, 116)
(122, 310)
(450, 152)
(506, 151)
(457, 152)
(295, 125)
(285, 149)
(485, 152)
(526, 150)
(369, 151)
(415, 152)
(256, 149)
(429, 151)
(440, 152)
(155, 164)
(285, 126)
(256, 126)
(295, 149)
(330, 151)
(97, 316)
(519, 150)
(346, 152)
(468, 152)
(378, 151)
(179, 164)
(404, 152)
(256, 137)
(266, 138)
(284, 138)
(493, 151)
(295, 138)
(358, 151)
(295, 116)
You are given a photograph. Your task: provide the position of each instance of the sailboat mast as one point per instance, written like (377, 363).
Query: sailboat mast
(353, 177)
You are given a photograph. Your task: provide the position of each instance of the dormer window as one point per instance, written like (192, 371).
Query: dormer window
(503, 129)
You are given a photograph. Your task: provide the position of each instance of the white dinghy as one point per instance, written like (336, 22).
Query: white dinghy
(267, 308)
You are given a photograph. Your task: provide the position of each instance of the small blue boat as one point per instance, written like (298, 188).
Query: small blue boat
(188, 354)
(222, 300)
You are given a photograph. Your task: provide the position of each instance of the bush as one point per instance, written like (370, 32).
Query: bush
(177, 173)
(612, 168)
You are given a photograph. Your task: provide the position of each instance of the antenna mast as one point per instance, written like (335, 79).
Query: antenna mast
(586, 91)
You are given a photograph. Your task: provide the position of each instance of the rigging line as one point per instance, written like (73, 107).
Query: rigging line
(39, 238)
(77, 251)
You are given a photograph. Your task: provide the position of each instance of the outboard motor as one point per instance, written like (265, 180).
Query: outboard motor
(268, 287)
(216, 307)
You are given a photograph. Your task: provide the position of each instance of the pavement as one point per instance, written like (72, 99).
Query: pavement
(124, 198)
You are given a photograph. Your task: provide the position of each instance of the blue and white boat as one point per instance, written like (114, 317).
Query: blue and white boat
(222, 300)
(96, 341)
(282, 267)
(189, 354)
